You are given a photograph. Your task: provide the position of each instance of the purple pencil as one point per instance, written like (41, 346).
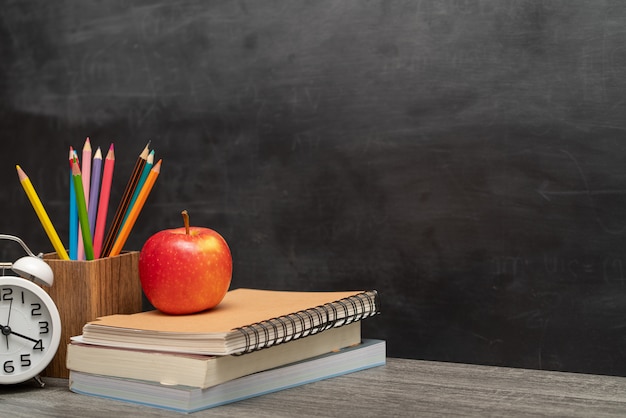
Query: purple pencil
(94, 189)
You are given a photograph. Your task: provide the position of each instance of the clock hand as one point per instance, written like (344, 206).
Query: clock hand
(6, 330)
(23, 336)
(10, 306)
(6, 336)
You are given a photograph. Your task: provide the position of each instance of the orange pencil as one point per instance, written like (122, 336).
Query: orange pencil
(134, 213)
(103, 203)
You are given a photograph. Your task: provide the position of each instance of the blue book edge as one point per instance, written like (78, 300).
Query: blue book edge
(370, 353)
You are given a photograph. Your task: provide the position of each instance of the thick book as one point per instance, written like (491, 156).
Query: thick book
(370, 353)
(200, 370)
(246, 320)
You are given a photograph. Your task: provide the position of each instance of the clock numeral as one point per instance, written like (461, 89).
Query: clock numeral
(22, 298)
(25, 358)
(36, 311)
(43, 327)
(38, 346)
(7, 293)
(8, 366)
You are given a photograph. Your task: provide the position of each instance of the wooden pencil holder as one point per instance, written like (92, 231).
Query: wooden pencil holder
(85, 290)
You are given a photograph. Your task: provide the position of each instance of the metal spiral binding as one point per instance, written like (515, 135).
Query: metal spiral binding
(267, 333)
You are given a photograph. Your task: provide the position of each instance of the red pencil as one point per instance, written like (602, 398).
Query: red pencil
(103, 203)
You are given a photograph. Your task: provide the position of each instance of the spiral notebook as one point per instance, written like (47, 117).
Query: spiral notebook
(246, 320)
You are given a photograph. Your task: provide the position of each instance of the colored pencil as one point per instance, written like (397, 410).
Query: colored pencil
(85, 170)
(42, 214)
(94, 190)
(73, 213)
(140, 183)
(134, 213)
(103, 201)
(124, 202)
(83, 217)
(86, 175)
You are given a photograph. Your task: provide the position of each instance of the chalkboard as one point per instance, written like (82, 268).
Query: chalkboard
(464, 158)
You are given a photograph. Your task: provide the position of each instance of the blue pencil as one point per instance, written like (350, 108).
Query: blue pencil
(73, 213)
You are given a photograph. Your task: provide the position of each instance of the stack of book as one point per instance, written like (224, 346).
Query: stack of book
(254, 342)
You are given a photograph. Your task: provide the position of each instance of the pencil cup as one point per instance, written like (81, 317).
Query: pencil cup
(85, 290)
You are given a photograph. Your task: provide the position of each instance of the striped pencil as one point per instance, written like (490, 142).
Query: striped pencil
(124, 202)
(140, 183)
(134, 213)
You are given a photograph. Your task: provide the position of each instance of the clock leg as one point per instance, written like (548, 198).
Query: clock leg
(39, 381)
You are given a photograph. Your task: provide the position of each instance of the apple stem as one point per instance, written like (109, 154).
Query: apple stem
(186, 221)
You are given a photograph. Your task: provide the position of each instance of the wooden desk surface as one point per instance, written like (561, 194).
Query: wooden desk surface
(400, 388)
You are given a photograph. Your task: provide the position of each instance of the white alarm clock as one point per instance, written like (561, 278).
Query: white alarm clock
(30, 326)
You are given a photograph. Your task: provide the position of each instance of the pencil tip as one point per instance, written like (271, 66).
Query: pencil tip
(20, 173)
(145, 152)
(75, 168)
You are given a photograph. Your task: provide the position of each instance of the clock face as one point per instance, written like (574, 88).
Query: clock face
(30, 330)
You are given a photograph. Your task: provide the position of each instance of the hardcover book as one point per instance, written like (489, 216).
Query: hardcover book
(370, 353)
(201, 370)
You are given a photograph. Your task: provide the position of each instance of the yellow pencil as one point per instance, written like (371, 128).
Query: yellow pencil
(134, 213)
(41, 214)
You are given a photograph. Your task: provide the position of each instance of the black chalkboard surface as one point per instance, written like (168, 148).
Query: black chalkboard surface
(465, 158)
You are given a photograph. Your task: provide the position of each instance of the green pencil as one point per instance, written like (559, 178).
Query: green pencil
(83, 217)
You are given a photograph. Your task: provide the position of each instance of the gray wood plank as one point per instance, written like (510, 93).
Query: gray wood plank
(400, 388)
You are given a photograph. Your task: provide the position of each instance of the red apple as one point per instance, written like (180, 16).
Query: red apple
(185, 270)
